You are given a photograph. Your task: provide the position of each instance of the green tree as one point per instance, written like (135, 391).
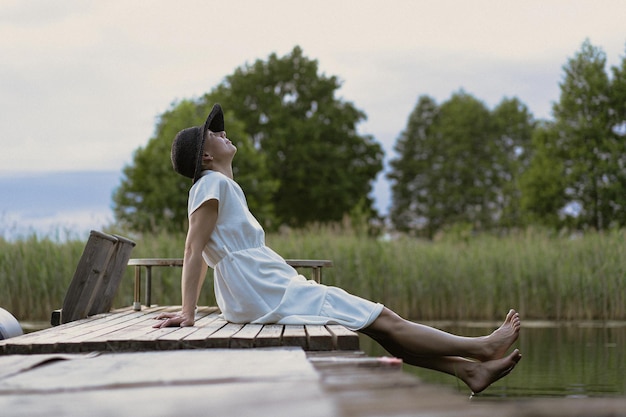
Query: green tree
(299, 156)
(543, 183)
(617, 144)
(513, 126)
(459, 164)
(153, 197)
(590, 148)
(439, 176)
(413, 205)
(324, 168)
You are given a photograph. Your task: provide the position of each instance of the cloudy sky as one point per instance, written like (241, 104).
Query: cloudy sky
(82, 81)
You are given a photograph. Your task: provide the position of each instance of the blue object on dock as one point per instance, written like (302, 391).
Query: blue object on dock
(9, 326)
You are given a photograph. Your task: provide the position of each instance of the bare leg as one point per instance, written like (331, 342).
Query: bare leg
(476, 375)
(420, 340)
(431, 348)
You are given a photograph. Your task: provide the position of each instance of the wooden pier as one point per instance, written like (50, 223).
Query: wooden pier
(116, 364)
(127, 330)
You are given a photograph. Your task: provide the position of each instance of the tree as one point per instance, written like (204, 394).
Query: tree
(543, 184)
(513, 129)
(323, 166)
(459, 163)
(590, 148)
(299, 158)
(617, 144)
(411, 185)
(153, 197)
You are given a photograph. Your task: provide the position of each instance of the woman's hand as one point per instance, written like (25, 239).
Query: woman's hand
(174, 320)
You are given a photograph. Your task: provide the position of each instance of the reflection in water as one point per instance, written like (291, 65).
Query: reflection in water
(558, 360)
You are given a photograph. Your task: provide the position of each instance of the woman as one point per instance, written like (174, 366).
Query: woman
(253, 284)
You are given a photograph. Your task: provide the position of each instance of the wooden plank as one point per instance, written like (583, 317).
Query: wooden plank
(343, 339)
(135, 337)
(43, 341)
(95, 339)
(75, 339)
(129, 330)
(353, 360)
(14, 364)
(221, 338)
(295, 335)
(269, 336)
(198, 339)
(113, 338)
(28, 339)
(309, 263)
(245, 337)
(174, 340)
(88, 276)
(318, 338)
(169, 338)
(155, 262)
(226, 382)
(112, 276)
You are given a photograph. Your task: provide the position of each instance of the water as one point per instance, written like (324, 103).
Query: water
(566, 360)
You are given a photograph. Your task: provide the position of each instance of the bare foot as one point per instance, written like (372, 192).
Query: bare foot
(479, 375)
(498, 342)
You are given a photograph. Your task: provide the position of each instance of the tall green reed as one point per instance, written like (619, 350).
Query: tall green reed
(542, 274)
(34, 273)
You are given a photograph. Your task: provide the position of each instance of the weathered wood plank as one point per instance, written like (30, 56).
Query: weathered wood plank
(221, 338)
(97, 340)
(295, 335)
(245, 337)
(107, 324)
(198, 338)
(220, 382)
(87, 280)
(318, 338)
(343, 339)
(44, 341)
(269, 336)
(174, 340)
(130, 330)
(112, 277)
(149, 338)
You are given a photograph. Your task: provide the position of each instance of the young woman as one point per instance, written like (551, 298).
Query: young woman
(253, 284)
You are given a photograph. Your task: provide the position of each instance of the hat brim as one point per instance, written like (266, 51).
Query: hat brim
(215, 123)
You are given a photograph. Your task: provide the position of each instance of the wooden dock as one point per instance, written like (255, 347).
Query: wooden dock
(127, 330)
(116, 364)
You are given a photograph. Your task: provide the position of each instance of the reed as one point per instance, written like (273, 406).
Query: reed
(542, 274)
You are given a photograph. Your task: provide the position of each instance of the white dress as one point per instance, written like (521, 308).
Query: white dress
(253, 284)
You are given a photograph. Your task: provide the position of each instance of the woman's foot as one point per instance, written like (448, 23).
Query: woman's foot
(498, 343)
(479, 375)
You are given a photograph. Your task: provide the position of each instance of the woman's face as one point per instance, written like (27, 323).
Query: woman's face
(218, 146)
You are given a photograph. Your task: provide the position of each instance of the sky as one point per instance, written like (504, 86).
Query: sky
(83, 82)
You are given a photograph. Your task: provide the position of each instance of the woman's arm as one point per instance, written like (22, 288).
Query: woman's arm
(201, 225)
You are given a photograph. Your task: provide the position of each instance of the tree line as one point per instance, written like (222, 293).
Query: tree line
(458, 163)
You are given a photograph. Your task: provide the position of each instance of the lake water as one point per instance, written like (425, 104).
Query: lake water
(558, 360)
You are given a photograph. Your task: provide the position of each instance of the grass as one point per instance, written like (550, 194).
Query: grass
(543, 275)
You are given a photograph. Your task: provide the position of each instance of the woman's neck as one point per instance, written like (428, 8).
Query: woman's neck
(223, 169)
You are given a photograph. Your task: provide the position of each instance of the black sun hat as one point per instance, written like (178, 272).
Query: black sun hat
(188, 144)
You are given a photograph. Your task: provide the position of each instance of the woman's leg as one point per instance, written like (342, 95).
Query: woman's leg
(476, 375)
(420, 340)
(431, 348)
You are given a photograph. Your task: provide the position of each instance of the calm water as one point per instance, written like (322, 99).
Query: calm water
(558, 360)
